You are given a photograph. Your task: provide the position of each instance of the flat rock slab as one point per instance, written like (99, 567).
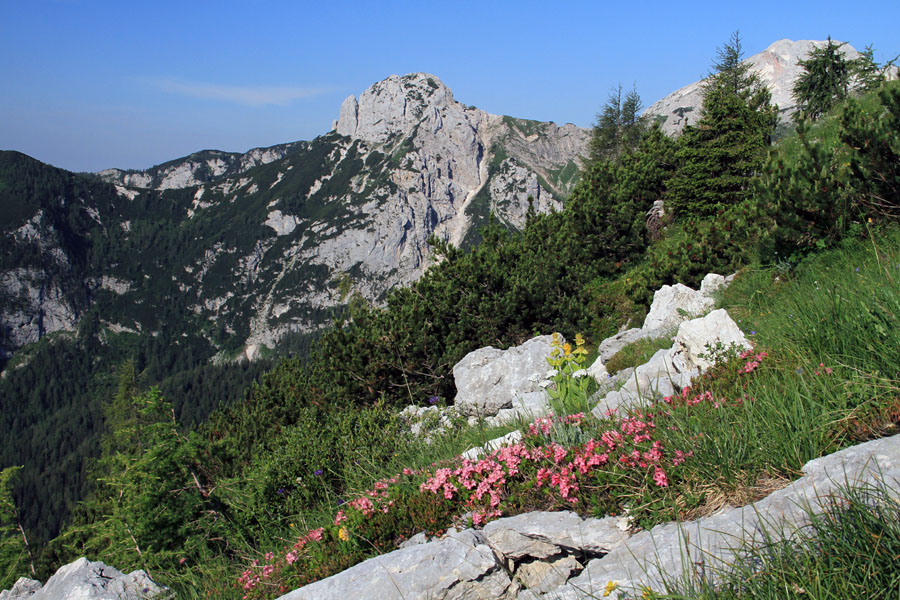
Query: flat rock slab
(652, 557)
(458, 566)
(542, 534)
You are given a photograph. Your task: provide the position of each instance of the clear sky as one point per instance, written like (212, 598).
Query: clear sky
(91, 84)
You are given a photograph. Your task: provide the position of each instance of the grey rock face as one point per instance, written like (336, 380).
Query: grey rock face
(776, 65)
(86, 580)
(458, 566)
(22, 588)
(198, 168)
(489, 379)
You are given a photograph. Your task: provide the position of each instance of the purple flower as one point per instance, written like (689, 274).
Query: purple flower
(281, 491)
(318, 472)
(433, 400)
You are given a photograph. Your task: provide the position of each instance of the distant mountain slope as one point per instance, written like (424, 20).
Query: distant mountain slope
(244, 249)
(776, 65)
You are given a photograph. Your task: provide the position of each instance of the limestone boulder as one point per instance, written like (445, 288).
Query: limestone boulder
(87, 580)
(673, 304)
(459, 566)
(696, 338)
(488, 379)
(544, 534)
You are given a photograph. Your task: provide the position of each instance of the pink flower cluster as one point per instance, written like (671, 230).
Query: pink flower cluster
(754, 361)
(257, 573)
(630, 446)
(543, 425)
(822, 367)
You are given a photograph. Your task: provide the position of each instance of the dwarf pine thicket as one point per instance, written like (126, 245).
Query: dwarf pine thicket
(313, 471)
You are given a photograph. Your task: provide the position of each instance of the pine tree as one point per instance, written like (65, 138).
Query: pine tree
(15, 553)
(825, 80)
(619, 126)
(829, 77)
(717, 157)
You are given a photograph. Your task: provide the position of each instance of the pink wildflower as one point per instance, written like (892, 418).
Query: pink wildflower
(659, 477)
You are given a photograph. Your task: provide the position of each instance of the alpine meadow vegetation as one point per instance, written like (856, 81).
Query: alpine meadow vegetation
(313, 470)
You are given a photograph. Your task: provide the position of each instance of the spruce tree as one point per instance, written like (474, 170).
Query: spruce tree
(829, 77)
(619, 126)
(825, 80)
(15, 553)
(717, 157)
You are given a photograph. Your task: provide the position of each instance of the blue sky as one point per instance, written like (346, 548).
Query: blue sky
(91, 84)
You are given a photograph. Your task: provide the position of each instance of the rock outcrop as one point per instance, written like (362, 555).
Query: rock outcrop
(87, 580)
(488, 379)
(777, 67)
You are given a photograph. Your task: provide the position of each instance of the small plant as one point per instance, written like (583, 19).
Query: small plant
(571, 390)
(636, 353)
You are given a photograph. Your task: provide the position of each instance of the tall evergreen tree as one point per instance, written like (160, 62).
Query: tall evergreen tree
(717, 157)
(829, 77)
(619, 126)
(15, 553)
(825, 80)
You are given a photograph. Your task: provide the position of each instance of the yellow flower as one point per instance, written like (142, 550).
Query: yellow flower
(579, 339)
(609, 588)
(567, 349)
(290, 524)
(343, 534)
(647, 595)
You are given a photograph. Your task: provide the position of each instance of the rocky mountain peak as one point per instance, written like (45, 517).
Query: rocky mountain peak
(777, 67)
(394, 105)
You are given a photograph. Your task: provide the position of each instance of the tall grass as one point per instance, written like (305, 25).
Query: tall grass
(850, 550)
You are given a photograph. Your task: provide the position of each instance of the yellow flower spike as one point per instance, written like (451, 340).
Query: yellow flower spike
(567, 349)
(579, 339)
(612, 585)
(343, 534)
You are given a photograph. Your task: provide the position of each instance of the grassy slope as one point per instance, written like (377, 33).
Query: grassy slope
(830, 328)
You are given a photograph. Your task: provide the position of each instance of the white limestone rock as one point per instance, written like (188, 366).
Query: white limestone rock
(673, 304)
(489, 379)
(527, 406)
(543, 576)
(543, 534)
(87, 580)
(695, 339)
(458, 566)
